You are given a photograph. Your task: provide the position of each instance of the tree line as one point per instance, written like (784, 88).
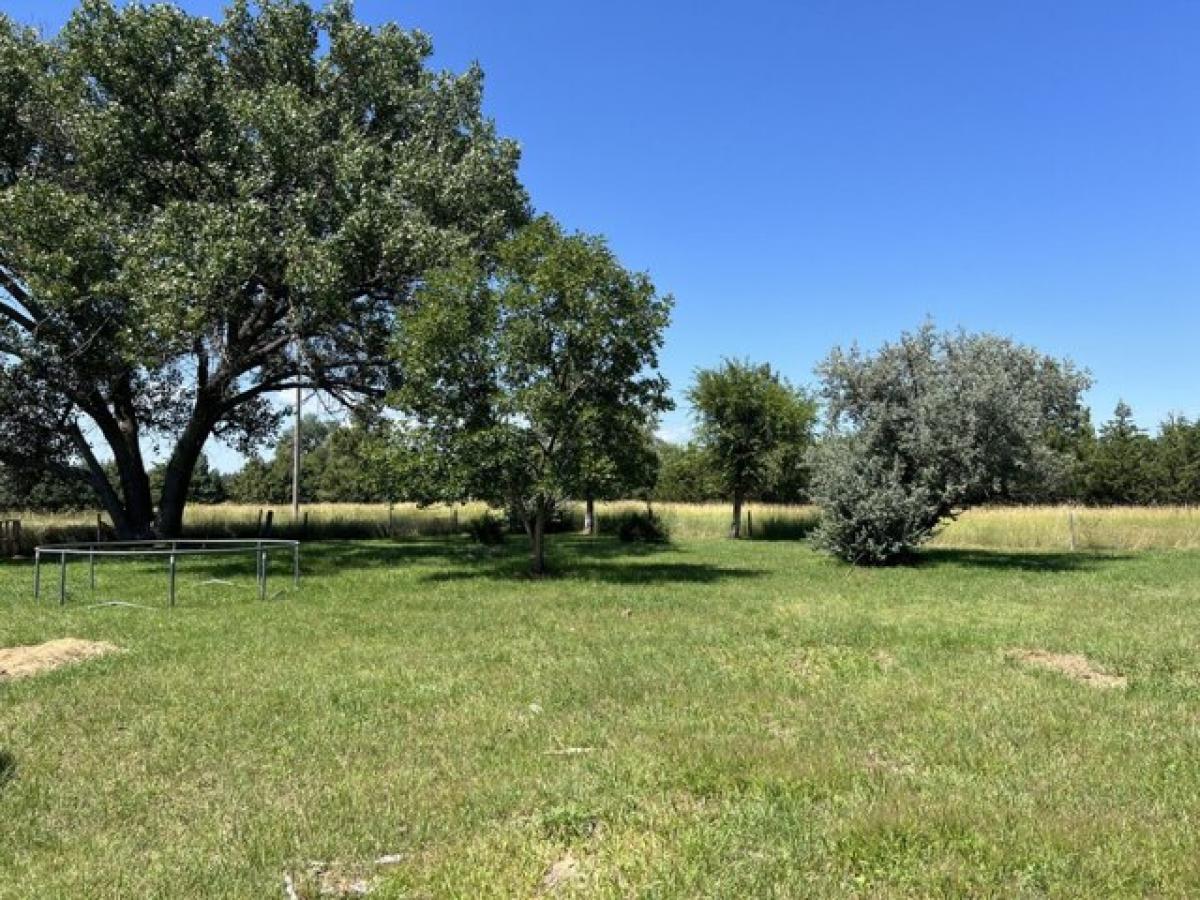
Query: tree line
(1116, 464)
(197, 214)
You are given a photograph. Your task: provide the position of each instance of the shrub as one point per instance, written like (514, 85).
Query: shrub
(487, 530)
(931, 425)
(640, 527)
(872, 514)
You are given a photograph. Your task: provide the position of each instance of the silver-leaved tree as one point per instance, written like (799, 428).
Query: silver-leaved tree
(929, 425)
(195, 214)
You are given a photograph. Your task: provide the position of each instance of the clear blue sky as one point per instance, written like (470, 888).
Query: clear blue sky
(805, 174)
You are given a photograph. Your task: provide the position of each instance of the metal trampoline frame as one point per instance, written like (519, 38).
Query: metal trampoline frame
(171, 549)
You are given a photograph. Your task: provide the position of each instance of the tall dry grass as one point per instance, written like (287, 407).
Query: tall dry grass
(1074, 528)
(1046, 528)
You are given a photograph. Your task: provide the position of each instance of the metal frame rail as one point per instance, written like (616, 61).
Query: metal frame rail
(172, 550)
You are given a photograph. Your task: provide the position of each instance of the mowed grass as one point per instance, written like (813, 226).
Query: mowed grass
(710, 718)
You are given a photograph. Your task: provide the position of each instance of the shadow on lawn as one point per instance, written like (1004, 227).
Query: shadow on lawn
(8, 768)
(1016, 561)
(766, 528)
(612, 573)
(575, 558)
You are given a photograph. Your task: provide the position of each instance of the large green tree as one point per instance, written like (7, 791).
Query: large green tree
(750, 423)
(529, 381)
(931, 424)
(1121, 468)
(195, 214)
(1177, 461)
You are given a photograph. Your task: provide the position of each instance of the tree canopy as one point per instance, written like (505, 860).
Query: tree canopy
(195, 214)
(531, 383)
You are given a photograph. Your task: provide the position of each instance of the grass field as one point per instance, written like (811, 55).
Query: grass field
(709, 718)
(1007, 528)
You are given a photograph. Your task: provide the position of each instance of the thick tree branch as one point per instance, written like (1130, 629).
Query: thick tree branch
(11, 312)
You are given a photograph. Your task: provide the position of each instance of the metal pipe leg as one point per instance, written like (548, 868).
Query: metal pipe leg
(62, 579)
(171, 592)
(262, 584)
(37, 575)
(295, 565)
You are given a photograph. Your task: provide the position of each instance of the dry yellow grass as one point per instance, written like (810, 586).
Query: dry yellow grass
(1050, 528)
(1074, 527)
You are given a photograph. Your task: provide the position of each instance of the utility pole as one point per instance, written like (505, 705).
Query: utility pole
(296, 432)
(296, 461)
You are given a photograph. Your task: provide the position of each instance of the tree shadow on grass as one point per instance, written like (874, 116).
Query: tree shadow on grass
(329, 558)
(569, 557)
(610, 573)
(1014, 561)
(8, 768)
(782, 529)
(572, 558)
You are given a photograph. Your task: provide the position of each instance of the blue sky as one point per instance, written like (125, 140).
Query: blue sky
(803, 174)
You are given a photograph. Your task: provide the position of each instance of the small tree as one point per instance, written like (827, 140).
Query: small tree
(930, 425)
(749, 420)
(525, 382)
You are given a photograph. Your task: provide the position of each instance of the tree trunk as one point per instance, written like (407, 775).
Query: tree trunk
(735, 527)
(589, 515)
(131, 466)
(139, 507)
(132, 508)
(537, 540)
(177, 477)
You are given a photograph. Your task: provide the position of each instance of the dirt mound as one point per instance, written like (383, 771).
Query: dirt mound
(1073, 665)
(19, 662)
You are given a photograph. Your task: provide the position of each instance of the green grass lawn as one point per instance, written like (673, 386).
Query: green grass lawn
(707, 719)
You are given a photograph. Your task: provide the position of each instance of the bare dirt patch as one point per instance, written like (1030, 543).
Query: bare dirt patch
(1073, 665)
(563, 872)
(21, 662)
